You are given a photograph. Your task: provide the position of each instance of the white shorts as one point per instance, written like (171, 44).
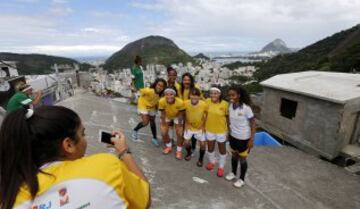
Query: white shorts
(175, 120)
(147, 112)
(218, 137)
(199, 135)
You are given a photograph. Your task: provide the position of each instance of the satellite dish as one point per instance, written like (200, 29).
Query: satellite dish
(4, 86)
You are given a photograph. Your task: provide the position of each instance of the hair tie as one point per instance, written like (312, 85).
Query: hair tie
(29, 113)
(215, 89)
(170, 90)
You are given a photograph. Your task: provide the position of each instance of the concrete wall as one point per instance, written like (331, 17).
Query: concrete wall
(314, 128)
(350, 125)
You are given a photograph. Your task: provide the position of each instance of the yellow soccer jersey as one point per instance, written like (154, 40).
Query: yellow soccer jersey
(96, 181)
(185, 95)
(171, 110)
(216, 117)
(195, 114)
(148, 99)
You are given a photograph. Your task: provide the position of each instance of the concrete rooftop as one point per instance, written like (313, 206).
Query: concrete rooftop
(331, 86)
(278, 178)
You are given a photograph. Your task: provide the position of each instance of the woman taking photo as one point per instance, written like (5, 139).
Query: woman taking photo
(42, 165)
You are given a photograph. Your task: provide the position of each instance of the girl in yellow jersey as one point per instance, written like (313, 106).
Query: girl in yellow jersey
(187, 84)
(171, 82)
(216, 127)
(45, 165)
(147, 107)
(172, 111)
(195, 117)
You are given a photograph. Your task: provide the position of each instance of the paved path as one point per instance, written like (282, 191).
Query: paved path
(278, 178)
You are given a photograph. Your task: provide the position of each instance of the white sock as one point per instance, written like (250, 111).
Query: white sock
(178, 148)
(168, 144)
(222, 161)
(211, 156)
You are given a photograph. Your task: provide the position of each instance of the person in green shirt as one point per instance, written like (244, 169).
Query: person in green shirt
(137, 76)
(22, 97)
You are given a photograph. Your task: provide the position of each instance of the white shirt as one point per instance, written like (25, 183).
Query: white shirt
(239, 121)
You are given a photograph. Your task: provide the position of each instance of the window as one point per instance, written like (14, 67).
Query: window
(288, 108)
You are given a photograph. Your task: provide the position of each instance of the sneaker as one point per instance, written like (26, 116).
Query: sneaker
(155, 142)
(134, 135)
(188, 157)
(231, 176)
(239, 183)
(220, 172)
(178, 155)
(192, 152)
(199, 163)
(167, 150)
(210, 166)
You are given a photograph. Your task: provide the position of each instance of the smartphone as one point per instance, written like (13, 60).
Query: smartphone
(105, 137)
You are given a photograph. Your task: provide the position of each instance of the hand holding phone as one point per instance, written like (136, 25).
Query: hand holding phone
(119, 142)
(105, 137)
(114, 139)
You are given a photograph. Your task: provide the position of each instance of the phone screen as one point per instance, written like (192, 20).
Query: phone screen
(106, 137)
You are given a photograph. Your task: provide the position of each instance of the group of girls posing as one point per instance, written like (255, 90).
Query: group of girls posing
(210, 121)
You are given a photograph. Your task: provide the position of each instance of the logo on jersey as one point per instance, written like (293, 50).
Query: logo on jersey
(63, 197)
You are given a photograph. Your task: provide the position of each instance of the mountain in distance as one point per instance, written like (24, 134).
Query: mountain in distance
(201, 56)
(339, 52)
(153, 50)
(37, 64)
(278, 46)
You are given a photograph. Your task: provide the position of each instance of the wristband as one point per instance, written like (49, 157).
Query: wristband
(126, 151)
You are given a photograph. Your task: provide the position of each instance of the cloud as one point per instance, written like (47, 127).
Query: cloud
(90, 30)
(298, 22)
(27, 1)
(75, 50)
(195, 25)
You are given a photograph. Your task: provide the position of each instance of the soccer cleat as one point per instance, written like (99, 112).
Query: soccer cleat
(167, 150)
(178, 155)
(220, 172)
(155, 142)
(239, 183)
(231, 176)
(210, 166)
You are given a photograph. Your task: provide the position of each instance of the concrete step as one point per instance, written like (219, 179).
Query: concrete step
(351, 152)
(354, 169)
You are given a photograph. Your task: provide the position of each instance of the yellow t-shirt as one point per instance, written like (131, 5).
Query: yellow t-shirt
(216, 117)
(185, 96)
(148, 99)
(96, 181)
(171, 110)
(195, 114)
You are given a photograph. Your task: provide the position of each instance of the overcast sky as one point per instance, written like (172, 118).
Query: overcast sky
(78, 28)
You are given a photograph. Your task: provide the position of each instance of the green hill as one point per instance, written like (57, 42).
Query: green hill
(153, 50)
(339, 52)
(201, 56)
(32, 64)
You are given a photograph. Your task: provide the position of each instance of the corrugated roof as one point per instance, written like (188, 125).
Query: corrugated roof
(331, 86)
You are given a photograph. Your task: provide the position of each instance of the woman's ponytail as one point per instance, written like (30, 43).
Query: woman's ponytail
(16, 164)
